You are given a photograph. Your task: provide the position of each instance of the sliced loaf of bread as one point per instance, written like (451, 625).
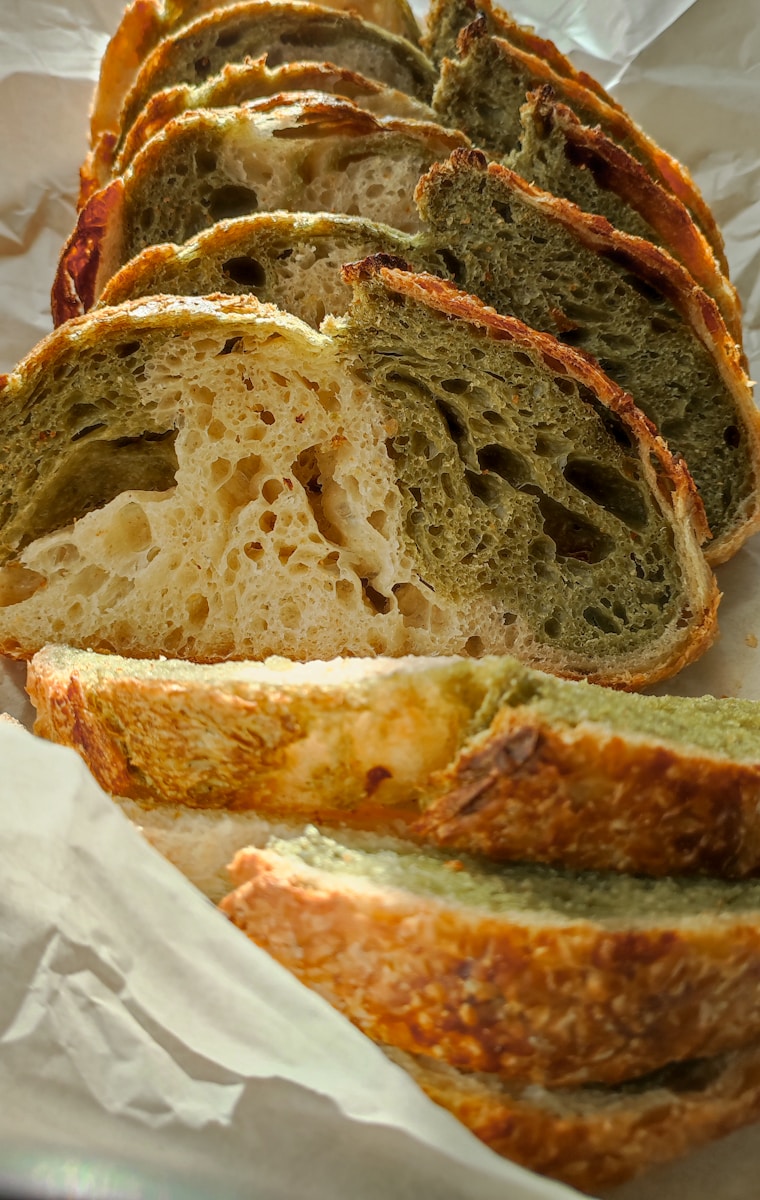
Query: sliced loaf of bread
(214, 479)
(303, 152)
(595, 1137)
(547, 976)
(620, 299)
(560, 155)
(145, 23)
(237, 84)
(526, 253)
(286, 31)
(483, 88)
(498, 759)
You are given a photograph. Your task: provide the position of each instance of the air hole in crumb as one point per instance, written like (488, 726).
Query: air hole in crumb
(253, 550)
(232, 200)
(474, 647)
(246, 271)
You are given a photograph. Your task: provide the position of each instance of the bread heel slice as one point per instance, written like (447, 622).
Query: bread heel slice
(550, 976)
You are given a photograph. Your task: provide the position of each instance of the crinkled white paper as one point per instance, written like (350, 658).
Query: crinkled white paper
(139, 1032)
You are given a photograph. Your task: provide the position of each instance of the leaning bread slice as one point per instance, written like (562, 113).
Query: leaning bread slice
(286, 31)
(237, 84)
(146, 22)
(547, 976)
(560, 155)
(447, 18)
(594, 1136)
(214, 479)
(293, 260)
(305, 152)
(481, 755)
(483, 88)
(620, 299)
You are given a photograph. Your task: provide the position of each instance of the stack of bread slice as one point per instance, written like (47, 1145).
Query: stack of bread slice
(372, 346)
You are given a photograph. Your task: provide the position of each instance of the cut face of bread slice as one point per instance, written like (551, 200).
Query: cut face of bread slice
(306, 153)
(293, 260)
(483, 89)
(146, 22)
(213, 479)
(447, 18)
(549, 976)
(560, 155)
(237, 84)
(286, 31)
(500, 760)
(620, 299)
(594, 1137)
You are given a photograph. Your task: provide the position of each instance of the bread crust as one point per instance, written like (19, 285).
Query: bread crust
(599, 1138)
(537, 997)
(536, 790)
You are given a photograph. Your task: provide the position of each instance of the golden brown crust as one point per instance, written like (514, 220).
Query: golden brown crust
(590, 149)
(616, 123)
(602, 1139)
(532, 789)
(530, 996)
(90, 255)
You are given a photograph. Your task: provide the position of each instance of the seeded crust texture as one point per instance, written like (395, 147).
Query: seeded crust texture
(546, 976)
(597, 1137)
(305, 152)
(483, 756)
(482, 91)
(146, 22)
(296, 506)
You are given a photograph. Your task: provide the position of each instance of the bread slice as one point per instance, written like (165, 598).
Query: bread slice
(293, 260)
(312, 740)
(482, 755)
(145, 23)
(237, 84)
(595, 1137)
(483, 88)
(213, 479)
(547, 976)
(286, 31)
(560, 155)
(447, 18)
(304, 152)
(620, 299)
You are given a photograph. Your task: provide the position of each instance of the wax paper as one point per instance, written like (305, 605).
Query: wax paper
(146, 1048)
